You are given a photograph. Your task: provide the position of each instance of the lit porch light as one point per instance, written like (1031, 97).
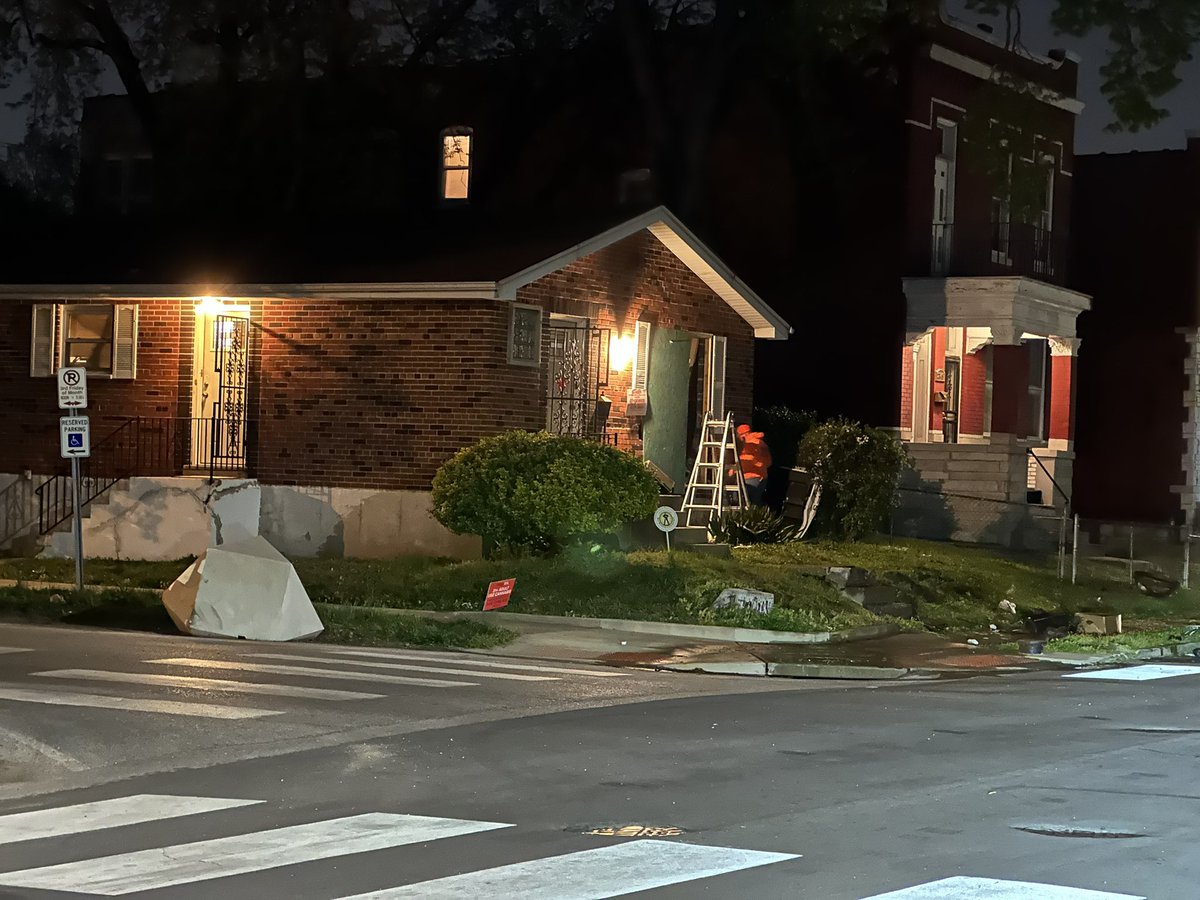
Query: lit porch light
(620, 353)
(210, 306)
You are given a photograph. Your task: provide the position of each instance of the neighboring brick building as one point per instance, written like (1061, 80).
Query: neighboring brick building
(316, 409)
(987, 365)
(1137, 248)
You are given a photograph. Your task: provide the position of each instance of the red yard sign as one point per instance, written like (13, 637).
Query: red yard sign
(498, 593)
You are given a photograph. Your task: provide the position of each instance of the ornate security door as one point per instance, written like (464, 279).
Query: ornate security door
(230, 350)
(577, 370)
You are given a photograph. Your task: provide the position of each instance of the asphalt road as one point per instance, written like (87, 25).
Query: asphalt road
(597, 783)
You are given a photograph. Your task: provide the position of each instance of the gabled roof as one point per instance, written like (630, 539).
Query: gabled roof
(455, 258)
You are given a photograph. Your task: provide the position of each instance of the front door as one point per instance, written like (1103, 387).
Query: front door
(575, 377)
(665, 433)
(218, 426)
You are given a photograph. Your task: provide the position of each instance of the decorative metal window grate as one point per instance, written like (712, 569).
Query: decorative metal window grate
(577, 370)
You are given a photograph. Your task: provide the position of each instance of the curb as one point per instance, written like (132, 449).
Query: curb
(789, 670)
(666, 629)
(1078, 659)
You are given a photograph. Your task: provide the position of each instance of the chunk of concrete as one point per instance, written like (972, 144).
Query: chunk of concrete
(741, 598)
(842, 577)
(245, 589)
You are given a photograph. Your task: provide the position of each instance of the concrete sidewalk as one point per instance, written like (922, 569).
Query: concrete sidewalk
(908, 654)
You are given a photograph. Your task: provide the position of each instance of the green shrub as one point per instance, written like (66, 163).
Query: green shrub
(783, 428)
(859, 472)
(539, 491)
(753, 525)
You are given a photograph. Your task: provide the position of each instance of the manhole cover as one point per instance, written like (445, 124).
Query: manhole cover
(1079, 831)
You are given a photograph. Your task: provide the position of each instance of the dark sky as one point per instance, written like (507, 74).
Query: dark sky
(1090, 137)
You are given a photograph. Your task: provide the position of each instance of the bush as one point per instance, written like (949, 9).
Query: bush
(783, 428)
(538, 491)
(753, 525)
(859, 472)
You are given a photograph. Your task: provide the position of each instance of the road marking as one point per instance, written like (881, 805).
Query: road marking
(494, 664)
(307, 670)
(964, 888)
(107, 701)
(603, 872)
(208, 684)
(1138, 673)
(14, 650)
(63, 820)
(437, 670)
(149, 870)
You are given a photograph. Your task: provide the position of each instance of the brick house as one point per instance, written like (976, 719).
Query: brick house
(308, 390)
(988, 364)
(1136, 249)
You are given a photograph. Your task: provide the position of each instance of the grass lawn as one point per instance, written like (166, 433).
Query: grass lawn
(1123, 643)
(142, 610)
(955, 588)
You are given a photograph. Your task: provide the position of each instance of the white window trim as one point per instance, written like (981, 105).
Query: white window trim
(512, 325)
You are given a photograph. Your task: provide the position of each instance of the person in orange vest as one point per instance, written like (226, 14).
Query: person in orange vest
(755, 459)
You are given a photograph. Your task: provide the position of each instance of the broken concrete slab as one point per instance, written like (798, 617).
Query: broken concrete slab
(245, 589)
(842, 577)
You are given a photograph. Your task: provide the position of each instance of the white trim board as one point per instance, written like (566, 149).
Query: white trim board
(980, 69)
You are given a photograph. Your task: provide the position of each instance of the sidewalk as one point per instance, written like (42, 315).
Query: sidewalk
(908, 654)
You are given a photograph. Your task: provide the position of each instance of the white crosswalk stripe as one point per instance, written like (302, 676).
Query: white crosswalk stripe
(404, 667)
(82, 817)
(965, 888)
(164, 867)
(307, 671)
(133, 704)
(485, 663)
(603, 872)
(207, 684)
(1137, 673)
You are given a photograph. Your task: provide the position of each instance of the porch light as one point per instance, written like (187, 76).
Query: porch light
(620, 353)
(210, 306)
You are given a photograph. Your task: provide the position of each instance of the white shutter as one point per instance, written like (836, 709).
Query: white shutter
(716, 387)
(641, 359)
(41, 344)
(125, 326)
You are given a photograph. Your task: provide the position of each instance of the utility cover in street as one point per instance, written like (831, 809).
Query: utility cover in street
(74, 437)
(72, 388)
(498, 593)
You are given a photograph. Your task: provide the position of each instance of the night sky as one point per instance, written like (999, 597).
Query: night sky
(1183, 102)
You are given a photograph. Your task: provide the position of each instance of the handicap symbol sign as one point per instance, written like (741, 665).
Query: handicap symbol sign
(75, 439)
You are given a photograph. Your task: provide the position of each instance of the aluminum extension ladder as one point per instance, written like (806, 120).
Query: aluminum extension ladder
(716, 485)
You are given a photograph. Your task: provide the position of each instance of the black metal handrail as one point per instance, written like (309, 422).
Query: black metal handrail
(144, 446)
(998, 248)
(1058, 487)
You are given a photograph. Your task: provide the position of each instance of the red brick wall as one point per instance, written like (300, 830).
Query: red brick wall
(29, 406)
(639, 278)
(974, 387)
(906, 387)
(377, 394)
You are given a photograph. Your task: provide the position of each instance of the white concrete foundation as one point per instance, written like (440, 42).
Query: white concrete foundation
(171, 518)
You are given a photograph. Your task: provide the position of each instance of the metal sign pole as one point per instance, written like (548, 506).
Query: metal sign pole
(78, 523)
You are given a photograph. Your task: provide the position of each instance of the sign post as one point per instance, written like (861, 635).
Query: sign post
(666, 520)
(75, 443)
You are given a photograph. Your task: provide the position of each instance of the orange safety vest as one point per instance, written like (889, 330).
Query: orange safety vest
(755, 456)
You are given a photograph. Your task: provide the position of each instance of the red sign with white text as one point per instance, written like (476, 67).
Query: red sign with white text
(498, 593)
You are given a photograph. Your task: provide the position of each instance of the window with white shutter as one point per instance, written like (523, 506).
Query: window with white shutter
(41, 345)
(102, 338)
(716, 376)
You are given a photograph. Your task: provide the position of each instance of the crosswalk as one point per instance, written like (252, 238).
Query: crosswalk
(209, 688)
(596, 872)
